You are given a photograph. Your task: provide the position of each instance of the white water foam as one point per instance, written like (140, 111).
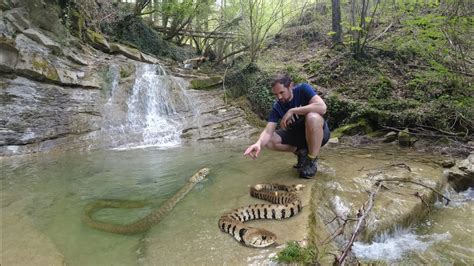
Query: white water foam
(394, 247)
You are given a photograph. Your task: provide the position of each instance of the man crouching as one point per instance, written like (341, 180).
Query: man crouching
(303, 129)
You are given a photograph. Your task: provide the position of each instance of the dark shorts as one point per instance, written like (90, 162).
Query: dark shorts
(295, 135)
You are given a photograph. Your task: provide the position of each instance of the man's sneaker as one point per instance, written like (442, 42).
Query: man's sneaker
(309, 167)
(301, 155)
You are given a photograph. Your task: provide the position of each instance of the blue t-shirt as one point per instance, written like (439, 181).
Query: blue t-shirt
(302, 94)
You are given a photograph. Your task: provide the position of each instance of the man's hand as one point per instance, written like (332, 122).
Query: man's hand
(253, 151)
(287, 119)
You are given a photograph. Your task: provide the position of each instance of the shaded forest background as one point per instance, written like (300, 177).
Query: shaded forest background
(379, 64)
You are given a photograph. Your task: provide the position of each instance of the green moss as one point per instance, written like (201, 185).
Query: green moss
(46, 69)
(206, 84)
(95, 37)
(294, 253)
(77, 24)
(361, 127)
(126, 71)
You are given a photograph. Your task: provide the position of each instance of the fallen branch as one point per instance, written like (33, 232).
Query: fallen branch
(425, 134)
(363, 213)
(418, 195)
(414, 182)
(338, 231)
(383, 32)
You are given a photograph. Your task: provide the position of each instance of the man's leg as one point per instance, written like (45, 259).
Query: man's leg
(276, 145)
(314, 137)
(314, 124)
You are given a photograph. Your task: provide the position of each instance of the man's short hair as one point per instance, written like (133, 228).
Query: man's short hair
(283, 79)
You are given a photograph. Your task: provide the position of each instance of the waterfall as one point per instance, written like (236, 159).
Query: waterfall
(149, 113)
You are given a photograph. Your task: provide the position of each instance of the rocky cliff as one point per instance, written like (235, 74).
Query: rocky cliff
(54, 91)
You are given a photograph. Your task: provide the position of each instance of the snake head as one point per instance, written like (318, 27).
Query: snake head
(299, 187)
(200, 175)
(259, 238)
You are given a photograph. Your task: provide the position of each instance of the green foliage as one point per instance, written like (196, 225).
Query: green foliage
(294, 253)
(295, 74)
(133, 31)
(381, 89)
(254, 83)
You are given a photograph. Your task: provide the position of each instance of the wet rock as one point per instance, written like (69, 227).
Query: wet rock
(206, 83)
(404, 138)
(390, 137)
(402, 200)
(148, 59)
(448, 163)
(461, 176)
(333, 141)
(129, 52)
(26, 244)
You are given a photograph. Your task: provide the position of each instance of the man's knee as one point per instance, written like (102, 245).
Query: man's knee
(274, 141)
(314, 119)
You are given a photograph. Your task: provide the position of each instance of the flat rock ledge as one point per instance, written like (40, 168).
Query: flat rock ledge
(404, 198)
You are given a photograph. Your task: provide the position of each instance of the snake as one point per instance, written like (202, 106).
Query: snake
(286, 204)
(143, 224)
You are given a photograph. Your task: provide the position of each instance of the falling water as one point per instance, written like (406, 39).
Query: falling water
(150, 113)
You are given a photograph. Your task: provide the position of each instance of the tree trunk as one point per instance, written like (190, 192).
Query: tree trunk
(336, 22)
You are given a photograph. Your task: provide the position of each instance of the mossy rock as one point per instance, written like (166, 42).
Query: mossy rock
(361, 127)
(129, 52)
(77, 24)
(404, 138)
(42, 66)
(206, 84)
(97, 40)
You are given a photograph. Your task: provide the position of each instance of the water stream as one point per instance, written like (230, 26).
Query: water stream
(42, 198)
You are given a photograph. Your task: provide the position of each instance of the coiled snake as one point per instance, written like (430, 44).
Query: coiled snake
(145, 223)
(286, 205)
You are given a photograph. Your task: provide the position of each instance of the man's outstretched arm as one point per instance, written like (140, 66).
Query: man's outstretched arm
(254, 150)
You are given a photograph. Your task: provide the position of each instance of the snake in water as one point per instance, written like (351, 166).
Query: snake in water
(145, 223)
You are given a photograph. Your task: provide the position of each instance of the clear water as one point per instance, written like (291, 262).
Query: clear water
(45, 194)
(42, 198)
